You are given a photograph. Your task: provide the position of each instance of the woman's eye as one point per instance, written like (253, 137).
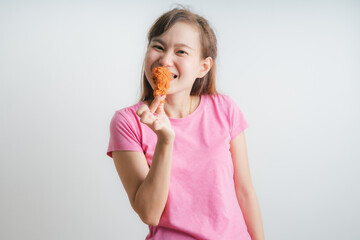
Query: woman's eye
(160, 48)
(182, 52)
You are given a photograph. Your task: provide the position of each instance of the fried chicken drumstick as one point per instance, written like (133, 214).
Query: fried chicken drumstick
(161, 77)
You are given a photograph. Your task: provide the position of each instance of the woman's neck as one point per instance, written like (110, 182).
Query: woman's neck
(180, 108)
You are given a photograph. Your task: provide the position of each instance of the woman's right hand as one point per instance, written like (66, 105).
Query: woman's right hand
(159, 123)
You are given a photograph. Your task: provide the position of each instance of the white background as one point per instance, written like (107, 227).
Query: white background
(66, 67)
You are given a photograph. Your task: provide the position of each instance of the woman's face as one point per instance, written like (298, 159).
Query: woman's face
(178, 49)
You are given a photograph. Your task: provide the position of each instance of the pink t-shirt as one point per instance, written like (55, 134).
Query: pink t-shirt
(202, 202)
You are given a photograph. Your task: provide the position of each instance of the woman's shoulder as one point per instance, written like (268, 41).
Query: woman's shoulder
(131, 108)
(128, 113)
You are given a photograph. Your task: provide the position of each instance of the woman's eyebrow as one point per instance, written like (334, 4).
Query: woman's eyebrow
(177, 44)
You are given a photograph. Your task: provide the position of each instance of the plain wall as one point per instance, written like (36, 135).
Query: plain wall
(67, 66)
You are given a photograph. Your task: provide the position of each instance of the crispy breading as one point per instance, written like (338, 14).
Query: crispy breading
(161, 77)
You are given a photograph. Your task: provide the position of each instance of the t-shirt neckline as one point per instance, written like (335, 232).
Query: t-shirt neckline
(191, 115)
(188, 117)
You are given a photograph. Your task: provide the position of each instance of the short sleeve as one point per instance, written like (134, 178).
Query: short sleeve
(238, 123)
(124, 134)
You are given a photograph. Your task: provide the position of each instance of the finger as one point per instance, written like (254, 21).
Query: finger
(157, 124)
(142, 109)
(160, 108)
(147, 118)
(154, 105)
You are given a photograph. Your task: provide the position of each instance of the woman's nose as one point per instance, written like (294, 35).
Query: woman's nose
(166, 59)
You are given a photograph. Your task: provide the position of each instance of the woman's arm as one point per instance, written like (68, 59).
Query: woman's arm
(147, 188)
(245, 191)
(152, 194)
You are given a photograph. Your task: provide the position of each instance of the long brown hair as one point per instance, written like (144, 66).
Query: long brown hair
(208, 42)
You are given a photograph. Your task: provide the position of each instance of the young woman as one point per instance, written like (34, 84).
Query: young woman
(183, 163)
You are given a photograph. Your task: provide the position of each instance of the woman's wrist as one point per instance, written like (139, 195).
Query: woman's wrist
(166, 139)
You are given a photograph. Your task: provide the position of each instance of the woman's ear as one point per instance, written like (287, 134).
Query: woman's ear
(206, 65)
